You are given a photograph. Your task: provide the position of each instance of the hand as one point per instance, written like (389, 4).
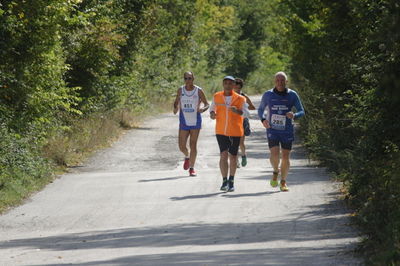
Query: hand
(266, 124)
(212, 115)
(236, 110)
(202, 110)
(176, 108)
(290, 115)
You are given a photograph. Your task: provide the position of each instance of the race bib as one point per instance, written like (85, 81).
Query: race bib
(278, 122)
(187, 108)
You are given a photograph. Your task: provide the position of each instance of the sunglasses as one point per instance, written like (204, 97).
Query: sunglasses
(188, 78)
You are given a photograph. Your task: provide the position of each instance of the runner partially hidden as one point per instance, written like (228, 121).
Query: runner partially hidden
(228, 109)
(279, 102)
(246, 122)
(187, 101)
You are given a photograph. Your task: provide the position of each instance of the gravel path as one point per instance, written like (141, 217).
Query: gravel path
(133, 204)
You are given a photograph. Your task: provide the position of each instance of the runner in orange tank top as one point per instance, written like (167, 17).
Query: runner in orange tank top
(227, 109)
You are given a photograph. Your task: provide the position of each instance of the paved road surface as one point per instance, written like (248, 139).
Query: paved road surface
(132, 204)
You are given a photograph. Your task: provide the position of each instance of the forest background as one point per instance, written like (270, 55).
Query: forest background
(75, 73)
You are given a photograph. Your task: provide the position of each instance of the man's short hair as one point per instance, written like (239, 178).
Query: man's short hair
(281, 73)
(188, 73)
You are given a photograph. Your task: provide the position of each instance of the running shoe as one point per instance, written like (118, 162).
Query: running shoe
(283, 186)
(231, 188)
(274, 181)
(224, 186)
(186, 164)
(244, 160)
(192, 172)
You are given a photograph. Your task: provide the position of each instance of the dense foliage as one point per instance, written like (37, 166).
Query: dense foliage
(345, 57)
(69, 65)
(73, 70)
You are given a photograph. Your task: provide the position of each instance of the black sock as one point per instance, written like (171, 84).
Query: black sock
(231, 177)
(224, 179)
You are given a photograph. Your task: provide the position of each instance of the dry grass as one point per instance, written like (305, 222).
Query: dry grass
(97, 131)
(87, 135)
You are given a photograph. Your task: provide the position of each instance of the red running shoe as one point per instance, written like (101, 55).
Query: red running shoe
(192, 172)
(186, 164)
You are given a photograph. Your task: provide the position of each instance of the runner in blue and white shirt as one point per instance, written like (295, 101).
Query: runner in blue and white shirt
(278, 121)
(187, 101)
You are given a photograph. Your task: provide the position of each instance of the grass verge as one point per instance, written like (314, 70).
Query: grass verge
(26, 169)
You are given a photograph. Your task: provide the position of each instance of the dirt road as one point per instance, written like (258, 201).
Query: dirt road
(133, 204)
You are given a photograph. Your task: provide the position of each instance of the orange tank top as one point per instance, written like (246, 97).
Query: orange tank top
(228, 123)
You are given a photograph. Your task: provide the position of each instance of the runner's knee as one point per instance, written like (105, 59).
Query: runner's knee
(224, 155)
(274, 150)
(285, 154)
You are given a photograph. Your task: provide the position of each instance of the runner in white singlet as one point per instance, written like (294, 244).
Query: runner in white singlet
(187, 102)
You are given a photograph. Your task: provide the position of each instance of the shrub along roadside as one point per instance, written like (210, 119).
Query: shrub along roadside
(345, 56)
(19, 159)
(35, 168)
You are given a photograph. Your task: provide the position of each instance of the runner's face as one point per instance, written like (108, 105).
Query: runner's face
(236, 87)
(188, 79)
(228, 84)
(280, 82)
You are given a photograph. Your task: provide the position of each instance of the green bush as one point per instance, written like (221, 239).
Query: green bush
(22, 169)
(344, 56)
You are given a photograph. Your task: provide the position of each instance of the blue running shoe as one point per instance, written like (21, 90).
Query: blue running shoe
(231, 188)
(224, 186)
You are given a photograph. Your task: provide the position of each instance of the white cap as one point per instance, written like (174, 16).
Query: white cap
(229, 77)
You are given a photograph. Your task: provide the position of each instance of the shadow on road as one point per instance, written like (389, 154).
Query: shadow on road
(249, 194)
(224, 194)
(197, 196)
(316, 225)
(297, 175)
(164, 179)
(269, 256)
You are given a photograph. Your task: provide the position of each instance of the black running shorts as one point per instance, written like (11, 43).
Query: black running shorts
(230, 144)
(276, 142)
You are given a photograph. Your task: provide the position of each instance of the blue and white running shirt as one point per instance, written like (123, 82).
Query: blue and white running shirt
(189, 117)
(278, 104)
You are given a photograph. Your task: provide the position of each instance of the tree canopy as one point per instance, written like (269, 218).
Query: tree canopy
(67, 60)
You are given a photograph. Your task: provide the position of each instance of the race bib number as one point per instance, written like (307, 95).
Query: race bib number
(188, 108)
(278, 122)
